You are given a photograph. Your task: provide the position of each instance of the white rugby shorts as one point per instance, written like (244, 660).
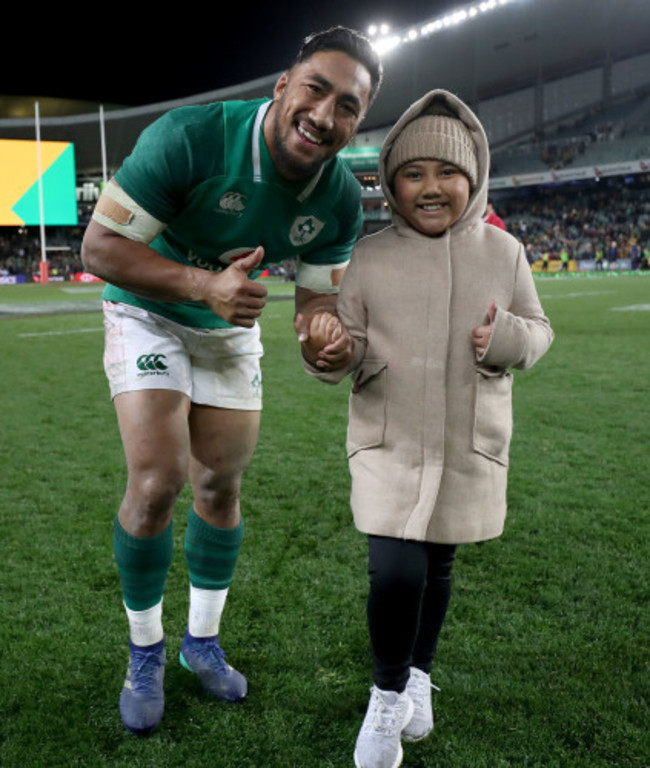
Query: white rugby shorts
(212, 366)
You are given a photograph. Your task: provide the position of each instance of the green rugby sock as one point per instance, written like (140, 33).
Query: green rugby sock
(143, 564)
(211, 553)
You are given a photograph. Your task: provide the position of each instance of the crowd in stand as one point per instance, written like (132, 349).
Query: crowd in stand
(605, 221)
(21, 253)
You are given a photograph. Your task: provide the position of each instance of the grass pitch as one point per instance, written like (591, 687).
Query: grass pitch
(543, 662)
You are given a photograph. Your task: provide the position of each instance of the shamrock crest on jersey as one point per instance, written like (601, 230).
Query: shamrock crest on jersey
(305, 229)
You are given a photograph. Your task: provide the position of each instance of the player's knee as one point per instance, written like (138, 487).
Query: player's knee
(155, 493)
(219, 502)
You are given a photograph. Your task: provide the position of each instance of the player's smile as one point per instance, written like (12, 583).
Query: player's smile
(309, 133)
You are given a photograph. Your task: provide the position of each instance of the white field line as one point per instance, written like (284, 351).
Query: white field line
(59, 333)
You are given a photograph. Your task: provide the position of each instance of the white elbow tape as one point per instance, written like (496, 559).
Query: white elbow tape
(320, 278)
(119, 212)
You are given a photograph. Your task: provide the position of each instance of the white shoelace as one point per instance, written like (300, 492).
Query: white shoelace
(384, 718)
(422, 684)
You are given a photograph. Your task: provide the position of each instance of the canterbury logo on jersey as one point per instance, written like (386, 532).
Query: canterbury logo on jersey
(152, 363)
(232, 203)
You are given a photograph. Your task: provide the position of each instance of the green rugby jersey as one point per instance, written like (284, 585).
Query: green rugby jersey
(205, 172)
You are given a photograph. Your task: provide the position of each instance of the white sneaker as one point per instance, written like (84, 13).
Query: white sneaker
(419, 689)
(378, 743)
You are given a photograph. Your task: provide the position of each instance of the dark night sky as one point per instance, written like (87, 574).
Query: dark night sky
(180, 53)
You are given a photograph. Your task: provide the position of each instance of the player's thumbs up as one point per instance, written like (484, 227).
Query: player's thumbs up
(492, 311)
(252, 261)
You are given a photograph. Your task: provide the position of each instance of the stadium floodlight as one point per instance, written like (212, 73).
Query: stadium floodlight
(378, 29)
(385, 43)
(455, 18)
(432, 26)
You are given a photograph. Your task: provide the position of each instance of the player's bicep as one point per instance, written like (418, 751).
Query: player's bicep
(120, 213)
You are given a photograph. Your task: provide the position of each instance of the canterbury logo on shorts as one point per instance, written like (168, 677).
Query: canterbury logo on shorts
(152, 364)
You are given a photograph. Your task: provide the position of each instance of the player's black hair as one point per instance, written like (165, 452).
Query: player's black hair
(349, 41)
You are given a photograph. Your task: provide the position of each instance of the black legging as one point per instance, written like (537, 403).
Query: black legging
(410, 586)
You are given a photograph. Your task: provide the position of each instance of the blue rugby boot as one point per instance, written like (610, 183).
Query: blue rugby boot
(142, 700)
(206, 658)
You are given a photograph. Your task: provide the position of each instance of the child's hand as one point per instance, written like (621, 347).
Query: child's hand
(328, 344)
(482, 333)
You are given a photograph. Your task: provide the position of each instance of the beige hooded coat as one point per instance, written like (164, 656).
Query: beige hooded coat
(430, 423)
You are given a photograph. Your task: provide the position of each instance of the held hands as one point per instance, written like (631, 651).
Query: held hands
(325, 341)
(232, 295)
(482, 333)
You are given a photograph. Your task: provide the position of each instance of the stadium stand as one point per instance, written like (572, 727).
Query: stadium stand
(602, 136)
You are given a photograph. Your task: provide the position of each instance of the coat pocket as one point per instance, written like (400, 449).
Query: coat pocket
(493, 414)
(367, 410)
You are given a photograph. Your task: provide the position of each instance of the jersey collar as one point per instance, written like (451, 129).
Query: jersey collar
(257, 140)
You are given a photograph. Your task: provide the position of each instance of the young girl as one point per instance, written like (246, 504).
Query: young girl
(439, 306)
